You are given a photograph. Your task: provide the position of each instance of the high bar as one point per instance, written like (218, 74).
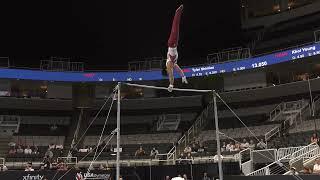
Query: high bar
(174, 89)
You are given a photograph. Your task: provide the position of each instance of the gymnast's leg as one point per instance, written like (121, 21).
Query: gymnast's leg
(170, 67)
(184, 79)
(172, 55)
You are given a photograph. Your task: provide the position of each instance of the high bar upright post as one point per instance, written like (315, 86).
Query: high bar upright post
(118, 135)
(216, 121)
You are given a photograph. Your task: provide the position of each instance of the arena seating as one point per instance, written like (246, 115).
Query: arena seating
(137, 139)
(129, 144)
(308, 125)
(38, 140)
(298, 136)
(283, 35)
(237, 133)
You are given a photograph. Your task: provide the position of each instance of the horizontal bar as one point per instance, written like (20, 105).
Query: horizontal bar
(165, 88)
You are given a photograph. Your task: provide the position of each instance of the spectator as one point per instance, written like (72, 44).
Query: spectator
(205, 176)
(316, 167)
(3, 168)
(223, 148)
(46, 164)
(185, 176)
(185, 158)
(54, 164)
(187, 150)
(49, 154)
(35, 150)
(154, 152)
(228, 147)
(201, 148)
(12, 144)
(90, 148)
(181, 157)
(60, 147)
(306, 170)
(261, 145)
(29, 167)
(244, 144)
(293, 171)
(19, 150)
(232, 147)
(167, 178)
(27, 150)
(101, 167)
(252, 145)
(236, 148)
(83, 150)
(195, 148)
(12, 151)
(140, 152)
(52, 146)
(314, 138)
(189, 156)
(216, 158)
(62, 166)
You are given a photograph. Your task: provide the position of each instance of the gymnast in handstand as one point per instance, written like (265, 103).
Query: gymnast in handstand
(172, 55)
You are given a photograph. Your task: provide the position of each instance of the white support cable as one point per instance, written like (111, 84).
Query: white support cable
(104, 147)
(240, 143)
(297, 177)
(238, 118)
(223, 134)
(102, 107)
(95, 117)
(86, 155)
(164, 88)
(101, 134)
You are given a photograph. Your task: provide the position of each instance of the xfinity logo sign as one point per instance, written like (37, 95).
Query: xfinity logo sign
(34, 177)
(312, 48)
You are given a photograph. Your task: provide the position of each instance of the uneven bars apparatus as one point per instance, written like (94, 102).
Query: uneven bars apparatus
(215, 118)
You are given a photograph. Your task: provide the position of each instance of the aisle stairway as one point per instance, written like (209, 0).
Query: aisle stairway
(168, 122)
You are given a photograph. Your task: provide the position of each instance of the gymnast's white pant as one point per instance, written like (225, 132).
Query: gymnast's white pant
(172, 55)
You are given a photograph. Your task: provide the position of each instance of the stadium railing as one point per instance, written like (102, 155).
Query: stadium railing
(303, 151)
(285, 154)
